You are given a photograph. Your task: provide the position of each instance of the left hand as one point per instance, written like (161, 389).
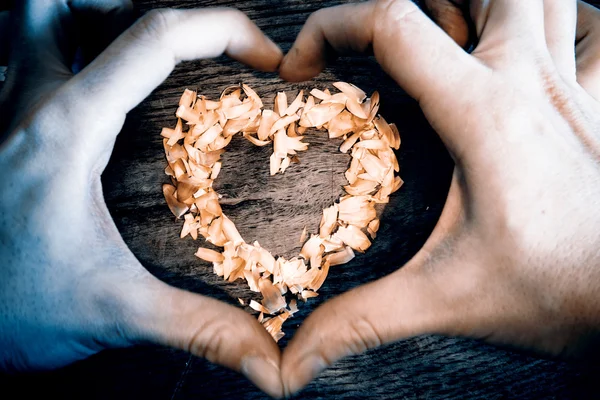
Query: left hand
(69, 286)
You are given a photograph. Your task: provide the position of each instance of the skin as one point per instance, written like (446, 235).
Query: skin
(69, 286)
(513, 260)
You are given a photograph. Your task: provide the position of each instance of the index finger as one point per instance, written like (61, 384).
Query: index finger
(140, 59)
(410, 47)
(144, 55)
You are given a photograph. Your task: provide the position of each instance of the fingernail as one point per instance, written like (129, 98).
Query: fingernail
(307, 370)
(263, 373)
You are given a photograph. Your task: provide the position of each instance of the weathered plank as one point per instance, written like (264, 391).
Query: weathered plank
(274, 210)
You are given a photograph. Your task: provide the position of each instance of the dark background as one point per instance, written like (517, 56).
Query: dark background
(273, 210)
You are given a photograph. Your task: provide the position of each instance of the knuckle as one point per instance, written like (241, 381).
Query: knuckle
(358, 335)
(207, 342)
(155, 24)
(210, 339)
(232, 17)
(364, 335)
(120, 311)
(589, 60)
(394, 13)
(233, 14)
(317, 16)
(109, 302)
(392, 21)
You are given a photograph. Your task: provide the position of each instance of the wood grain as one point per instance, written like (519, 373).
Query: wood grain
(274, 210)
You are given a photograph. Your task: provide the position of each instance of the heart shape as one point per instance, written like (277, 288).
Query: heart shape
(193, 164)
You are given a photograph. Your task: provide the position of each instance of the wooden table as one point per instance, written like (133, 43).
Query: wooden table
(273, 210)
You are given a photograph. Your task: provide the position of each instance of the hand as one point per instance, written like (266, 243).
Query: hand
(514, 258)
(69, 286)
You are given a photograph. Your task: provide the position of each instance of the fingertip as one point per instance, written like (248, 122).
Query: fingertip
(272, 58)
(264, 373)
(208, 328)
(254, 48)
(261, 358)
(297, 377)
(356, 321)
(296, 68)
(321, 340)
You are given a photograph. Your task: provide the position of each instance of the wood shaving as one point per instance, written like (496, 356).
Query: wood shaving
(193, 151)
(303, 235)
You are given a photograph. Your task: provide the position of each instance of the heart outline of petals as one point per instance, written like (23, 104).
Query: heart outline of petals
(193, 150)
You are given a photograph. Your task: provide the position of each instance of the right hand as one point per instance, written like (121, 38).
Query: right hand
(514, 258)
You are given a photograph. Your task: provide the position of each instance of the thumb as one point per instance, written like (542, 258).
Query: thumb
(433, 293)
(205, 327)
(410, 302)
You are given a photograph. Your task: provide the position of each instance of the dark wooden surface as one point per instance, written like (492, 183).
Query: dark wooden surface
(274, 210)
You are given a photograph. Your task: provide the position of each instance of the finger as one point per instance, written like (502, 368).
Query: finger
(560, 20)
(99, 23)
(142, 57)
(511, 32)
(130, 306)
(408, 45)
(414, 51)
(433, 293)
(405, 304)
(204, 327)
(450, 16)
(588, 48)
